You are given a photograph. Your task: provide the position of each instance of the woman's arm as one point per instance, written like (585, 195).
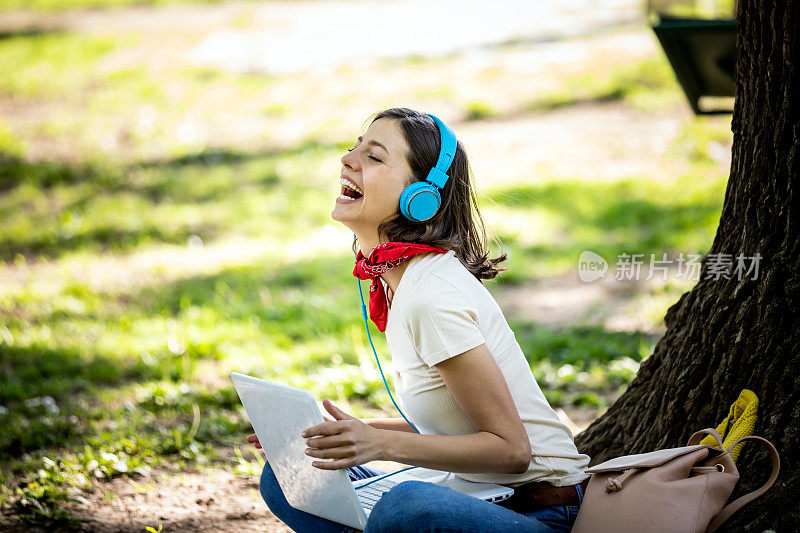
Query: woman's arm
(480, 389)
(477, 384)
(392, 424)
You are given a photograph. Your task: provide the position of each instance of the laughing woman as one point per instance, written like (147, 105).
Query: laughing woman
(460, 375)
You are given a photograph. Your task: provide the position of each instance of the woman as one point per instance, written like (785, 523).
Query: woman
(459, 374)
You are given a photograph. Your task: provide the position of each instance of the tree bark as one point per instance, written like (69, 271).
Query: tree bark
(728, 334)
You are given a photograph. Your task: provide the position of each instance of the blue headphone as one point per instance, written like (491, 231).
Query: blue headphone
(421, 200)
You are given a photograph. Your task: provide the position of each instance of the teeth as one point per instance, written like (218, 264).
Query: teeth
(350, 185)
(343, 197)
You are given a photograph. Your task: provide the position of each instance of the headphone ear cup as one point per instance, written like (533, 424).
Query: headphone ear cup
(419, 201)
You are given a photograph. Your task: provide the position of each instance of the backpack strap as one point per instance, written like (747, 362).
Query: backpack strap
(697, 436)
(737, 504)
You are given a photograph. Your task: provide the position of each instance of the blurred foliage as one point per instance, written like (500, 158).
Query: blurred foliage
(51, 64)
(478, 110)
(64, 5)
(648, 85)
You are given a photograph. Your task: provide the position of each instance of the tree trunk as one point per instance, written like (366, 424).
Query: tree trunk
(728, 334)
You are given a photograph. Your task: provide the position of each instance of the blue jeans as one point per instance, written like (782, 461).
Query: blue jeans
(417, 506)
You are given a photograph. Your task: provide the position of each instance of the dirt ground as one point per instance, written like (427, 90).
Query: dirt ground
(207, 500)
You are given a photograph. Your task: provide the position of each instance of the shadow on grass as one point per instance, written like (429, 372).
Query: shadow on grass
(215, 156)
(50, 400)
(15, 170)
(103, 207)
(99, 239)
(39, 385)
(26, 32)
(35, 371)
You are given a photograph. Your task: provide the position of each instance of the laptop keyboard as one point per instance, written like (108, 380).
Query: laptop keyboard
(370, 494)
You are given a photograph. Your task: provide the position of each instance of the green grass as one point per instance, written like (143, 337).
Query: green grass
(129, 305)
(51, 64)
(581, 366)
(622, 216)
(93, 207)
(478, 110)
(117, 364)
(647, 85)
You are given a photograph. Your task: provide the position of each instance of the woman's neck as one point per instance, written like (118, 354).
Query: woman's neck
(392, 278)
(366, 242)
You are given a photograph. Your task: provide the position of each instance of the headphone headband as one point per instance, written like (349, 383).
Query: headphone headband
(447, 151)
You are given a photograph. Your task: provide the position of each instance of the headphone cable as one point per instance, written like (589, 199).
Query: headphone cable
(366, 325)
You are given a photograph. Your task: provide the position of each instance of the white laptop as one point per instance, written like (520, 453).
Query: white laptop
(279, 413)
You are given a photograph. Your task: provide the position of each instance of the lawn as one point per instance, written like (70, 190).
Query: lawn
(141, 265)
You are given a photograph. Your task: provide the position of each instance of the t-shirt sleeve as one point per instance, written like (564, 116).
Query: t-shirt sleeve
(442, 321)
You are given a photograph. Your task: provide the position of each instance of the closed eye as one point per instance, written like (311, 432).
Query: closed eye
(371, 157)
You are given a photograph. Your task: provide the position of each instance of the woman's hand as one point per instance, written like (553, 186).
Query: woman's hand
(253, 439)
(346, 440)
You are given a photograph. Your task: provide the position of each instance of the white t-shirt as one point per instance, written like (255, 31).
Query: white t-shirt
(441, 310)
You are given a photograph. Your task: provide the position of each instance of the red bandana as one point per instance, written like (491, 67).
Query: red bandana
(382, 259)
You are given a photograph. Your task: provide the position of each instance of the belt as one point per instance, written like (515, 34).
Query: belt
(534, 494)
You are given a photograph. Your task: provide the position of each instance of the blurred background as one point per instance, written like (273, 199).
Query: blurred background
(167, 172)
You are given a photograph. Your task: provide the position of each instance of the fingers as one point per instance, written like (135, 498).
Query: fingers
(332, 453)
(337, 413)
(327, 428)
(334, 465)
(253, 439)
(334, 441)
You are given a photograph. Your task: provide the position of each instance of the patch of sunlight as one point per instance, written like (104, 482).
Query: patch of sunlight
(116, 274)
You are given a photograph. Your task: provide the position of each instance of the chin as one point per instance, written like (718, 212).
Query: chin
(338, 217)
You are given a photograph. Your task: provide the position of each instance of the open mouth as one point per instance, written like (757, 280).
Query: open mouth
(350, 193)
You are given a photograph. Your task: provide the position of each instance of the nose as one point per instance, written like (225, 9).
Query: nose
(349, 160)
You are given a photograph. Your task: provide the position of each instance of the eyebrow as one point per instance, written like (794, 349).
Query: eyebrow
(375, 143)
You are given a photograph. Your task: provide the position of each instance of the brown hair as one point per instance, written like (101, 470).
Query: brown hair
(457, 225)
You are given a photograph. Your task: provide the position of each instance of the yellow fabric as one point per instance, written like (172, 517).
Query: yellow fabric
(740, 423)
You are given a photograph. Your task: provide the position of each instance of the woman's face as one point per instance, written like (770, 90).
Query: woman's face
(377, 165)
